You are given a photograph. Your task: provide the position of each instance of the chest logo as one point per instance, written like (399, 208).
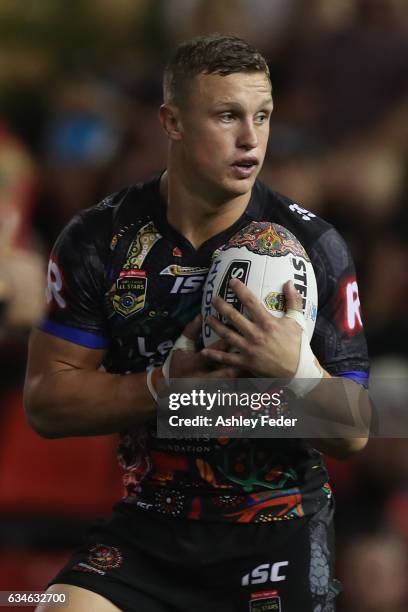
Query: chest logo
(143, 243)
(130, 292)
(176, 270)
(188, 279)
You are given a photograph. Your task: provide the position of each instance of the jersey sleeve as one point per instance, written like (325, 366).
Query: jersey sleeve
(338, 341)
(75, 286)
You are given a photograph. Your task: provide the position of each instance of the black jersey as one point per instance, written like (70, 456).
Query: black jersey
(121, 278)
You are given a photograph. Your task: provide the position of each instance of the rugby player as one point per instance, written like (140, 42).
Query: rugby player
(211, 524)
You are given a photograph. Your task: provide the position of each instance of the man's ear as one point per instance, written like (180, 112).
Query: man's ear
(169, 116)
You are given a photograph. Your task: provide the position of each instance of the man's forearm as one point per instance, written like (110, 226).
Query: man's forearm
(340, 406)
(76, 402)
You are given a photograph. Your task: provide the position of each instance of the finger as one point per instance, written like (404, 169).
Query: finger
(292, 297)
(249, 300)
(231, 359)
(241, 323)
(228, 335)
(192, 330)
(227, 372)
(219, 345)
(294, 304)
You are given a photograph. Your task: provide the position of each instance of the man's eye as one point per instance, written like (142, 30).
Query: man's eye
(226, 117)
(261, 117)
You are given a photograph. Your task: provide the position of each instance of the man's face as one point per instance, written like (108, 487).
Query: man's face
(225, 128)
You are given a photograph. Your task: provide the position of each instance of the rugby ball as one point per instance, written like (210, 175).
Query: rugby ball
(264, 256)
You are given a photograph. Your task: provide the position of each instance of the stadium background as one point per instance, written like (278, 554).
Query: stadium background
(79, 91)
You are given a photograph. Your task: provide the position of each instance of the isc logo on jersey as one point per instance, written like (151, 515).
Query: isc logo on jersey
(266, 572)
(187, 279)
(264, 256)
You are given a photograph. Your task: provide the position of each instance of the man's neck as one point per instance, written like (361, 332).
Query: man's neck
(196, 217)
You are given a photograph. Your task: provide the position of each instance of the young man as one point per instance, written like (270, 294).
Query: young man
(207, 525)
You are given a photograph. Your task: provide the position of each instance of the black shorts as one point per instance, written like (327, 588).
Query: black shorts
(145, 562)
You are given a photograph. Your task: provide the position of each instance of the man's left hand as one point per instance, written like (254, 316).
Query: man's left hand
(268, 346)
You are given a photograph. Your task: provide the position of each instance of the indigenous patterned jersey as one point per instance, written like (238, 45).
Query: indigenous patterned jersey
(121, 278)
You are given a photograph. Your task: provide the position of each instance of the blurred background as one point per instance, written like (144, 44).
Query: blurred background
(80, 85)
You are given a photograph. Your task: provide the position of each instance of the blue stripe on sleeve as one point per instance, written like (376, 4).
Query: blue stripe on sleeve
(359, 377)
(73, 334)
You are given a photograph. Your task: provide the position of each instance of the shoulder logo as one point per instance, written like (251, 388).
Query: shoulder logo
(303, 212)
(54, 285)
(349, 308)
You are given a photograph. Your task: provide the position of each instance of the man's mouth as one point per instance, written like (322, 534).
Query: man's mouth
(245, 167)
(246, 163)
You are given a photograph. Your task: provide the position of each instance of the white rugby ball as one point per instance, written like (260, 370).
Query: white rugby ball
(264, 256)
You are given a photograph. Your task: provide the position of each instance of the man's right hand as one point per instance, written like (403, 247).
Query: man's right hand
(187, 363)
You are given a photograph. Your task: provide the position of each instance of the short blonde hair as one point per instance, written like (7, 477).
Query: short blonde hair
(212, 54)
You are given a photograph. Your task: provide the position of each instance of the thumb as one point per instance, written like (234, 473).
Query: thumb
(292, 297)
(193, 329)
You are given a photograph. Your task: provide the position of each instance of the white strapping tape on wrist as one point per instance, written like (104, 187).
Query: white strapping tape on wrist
(308, 373)
(181, 344)
(184, 344)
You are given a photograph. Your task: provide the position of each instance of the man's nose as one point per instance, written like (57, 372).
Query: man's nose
(248, 137)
